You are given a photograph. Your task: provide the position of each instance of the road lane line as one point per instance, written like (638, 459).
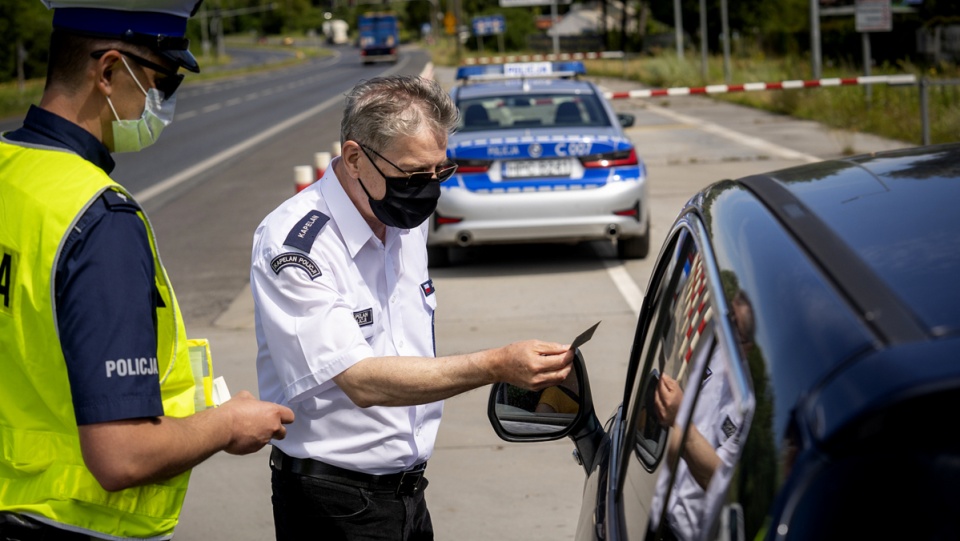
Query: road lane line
(224, 155)
(737, 137)
(628, 288)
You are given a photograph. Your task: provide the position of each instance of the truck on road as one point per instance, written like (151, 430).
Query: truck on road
(379, 37)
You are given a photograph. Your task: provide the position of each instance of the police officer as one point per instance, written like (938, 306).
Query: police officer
(98, 413)
(345, 325)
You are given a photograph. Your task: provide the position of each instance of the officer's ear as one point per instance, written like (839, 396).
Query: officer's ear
(105, 71)
(351, 154)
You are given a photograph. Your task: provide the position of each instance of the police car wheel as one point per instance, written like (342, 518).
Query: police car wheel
(633, 247)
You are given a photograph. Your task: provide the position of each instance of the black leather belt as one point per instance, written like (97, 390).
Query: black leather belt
(23, 528)
(405, 483)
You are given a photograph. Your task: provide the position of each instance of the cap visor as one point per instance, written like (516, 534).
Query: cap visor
(184, 59)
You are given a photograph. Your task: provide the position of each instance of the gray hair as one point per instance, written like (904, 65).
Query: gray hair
(381, 110)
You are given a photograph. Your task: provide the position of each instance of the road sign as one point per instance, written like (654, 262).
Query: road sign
(873, 16)
(450, 23)
(488, 25)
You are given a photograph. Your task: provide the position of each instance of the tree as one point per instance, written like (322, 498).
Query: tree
(27, 24)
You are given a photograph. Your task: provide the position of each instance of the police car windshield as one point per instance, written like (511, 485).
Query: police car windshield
(531, 111)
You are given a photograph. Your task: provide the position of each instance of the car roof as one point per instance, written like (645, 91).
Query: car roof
(880, 232)
(886, 226)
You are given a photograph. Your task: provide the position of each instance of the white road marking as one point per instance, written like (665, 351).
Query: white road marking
(737, 137)
(628, 288)
(243, 146)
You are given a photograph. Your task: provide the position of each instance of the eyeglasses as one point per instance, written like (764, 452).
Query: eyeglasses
(167, 84)
(418, 179)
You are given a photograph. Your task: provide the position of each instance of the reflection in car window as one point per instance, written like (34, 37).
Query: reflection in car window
(685, 318)
(687, 423)
(531, 110)
(660, 361)
(705, 453)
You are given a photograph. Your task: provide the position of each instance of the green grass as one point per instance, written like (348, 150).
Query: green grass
(14, 100)
(888, 111)
(884, 110)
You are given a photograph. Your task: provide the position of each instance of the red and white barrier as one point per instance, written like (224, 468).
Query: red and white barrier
(321, 160)
(541, 57)
(303, 177)
(748, 87)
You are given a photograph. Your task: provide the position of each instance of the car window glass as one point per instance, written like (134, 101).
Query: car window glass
(660, 359)
(686, 421)
(705, 446)
(531, 110)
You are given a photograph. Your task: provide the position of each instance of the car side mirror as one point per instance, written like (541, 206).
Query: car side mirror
(626, 119)
(520, 415)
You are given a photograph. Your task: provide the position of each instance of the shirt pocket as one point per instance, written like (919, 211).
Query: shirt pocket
(368, 321)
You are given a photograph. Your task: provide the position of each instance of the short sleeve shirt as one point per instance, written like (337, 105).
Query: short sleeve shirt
(718, 420)
(329, 294)
(105, 291)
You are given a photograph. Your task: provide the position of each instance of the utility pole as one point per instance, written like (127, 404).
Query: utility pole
(703, 40)
(725, 36)
(815, 57)
(678, 27)
(21, 58)
(221, 14)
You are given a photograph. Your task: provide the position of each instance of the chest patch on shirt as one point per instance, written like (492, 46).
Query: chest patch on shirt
(305, 232)
(294, 259)
(728, 427)
(364, 317)
(427, 288)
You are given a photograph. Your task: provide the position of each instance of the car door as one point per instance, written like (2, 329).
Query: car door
(690, 405)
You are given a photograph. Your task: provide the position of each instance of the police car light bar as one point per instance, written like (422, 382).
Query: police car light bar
(521, 70)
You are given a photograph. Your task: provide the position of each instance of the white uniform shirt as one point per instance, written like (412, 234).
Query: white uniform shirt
(327, 295)
(718, 420)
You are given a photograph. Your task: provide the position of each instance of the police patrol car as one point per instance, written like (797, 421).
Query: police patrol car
(542, 158)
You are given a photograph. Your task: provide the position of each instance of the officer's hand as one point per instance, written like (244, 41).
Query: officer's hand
(254, 423)
(533, 364)
(667, 400)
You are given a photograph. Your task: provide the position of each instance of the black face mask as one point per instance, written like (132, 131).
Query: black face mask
(405, 206)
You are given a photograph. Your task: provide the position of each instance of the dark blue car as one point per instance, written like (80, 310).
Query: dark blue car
(795, 372)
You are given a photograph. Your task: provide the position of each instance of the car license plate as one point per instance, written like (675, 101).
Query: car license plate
(537, 168)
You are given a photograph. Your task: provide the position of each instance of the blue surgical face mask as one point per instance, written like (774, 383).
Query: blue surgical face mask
(134, 135)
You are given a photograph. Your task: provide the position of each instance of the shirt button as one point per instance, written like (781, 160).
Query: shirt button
(400, 343)
(393, 299)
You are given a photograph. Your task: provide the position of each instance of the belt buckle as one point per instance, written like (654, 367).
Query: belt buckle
(409, 483)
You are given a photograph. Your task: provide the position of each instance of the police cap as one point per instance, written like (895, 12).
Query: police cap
(160, 25)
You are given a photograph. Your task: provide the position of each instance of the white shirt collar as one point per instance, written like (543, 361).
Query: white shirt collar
(354, 229)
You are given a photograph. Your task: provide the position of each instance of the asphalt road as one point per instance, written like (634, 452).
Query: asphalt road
(228, 160)
(480, 487)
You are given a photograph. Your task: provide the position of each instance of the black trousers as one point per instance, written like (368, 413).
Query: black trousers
(15, 527)
(330, 509)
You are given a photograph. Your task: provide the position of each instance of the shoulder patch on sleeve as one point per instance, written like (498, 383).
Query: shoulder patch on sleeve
(295, 259)
(305, 232)
(119, 201)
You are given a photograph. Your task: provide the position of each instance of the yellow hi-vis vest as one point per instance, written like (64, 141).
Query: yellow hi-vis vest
(42, 473)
